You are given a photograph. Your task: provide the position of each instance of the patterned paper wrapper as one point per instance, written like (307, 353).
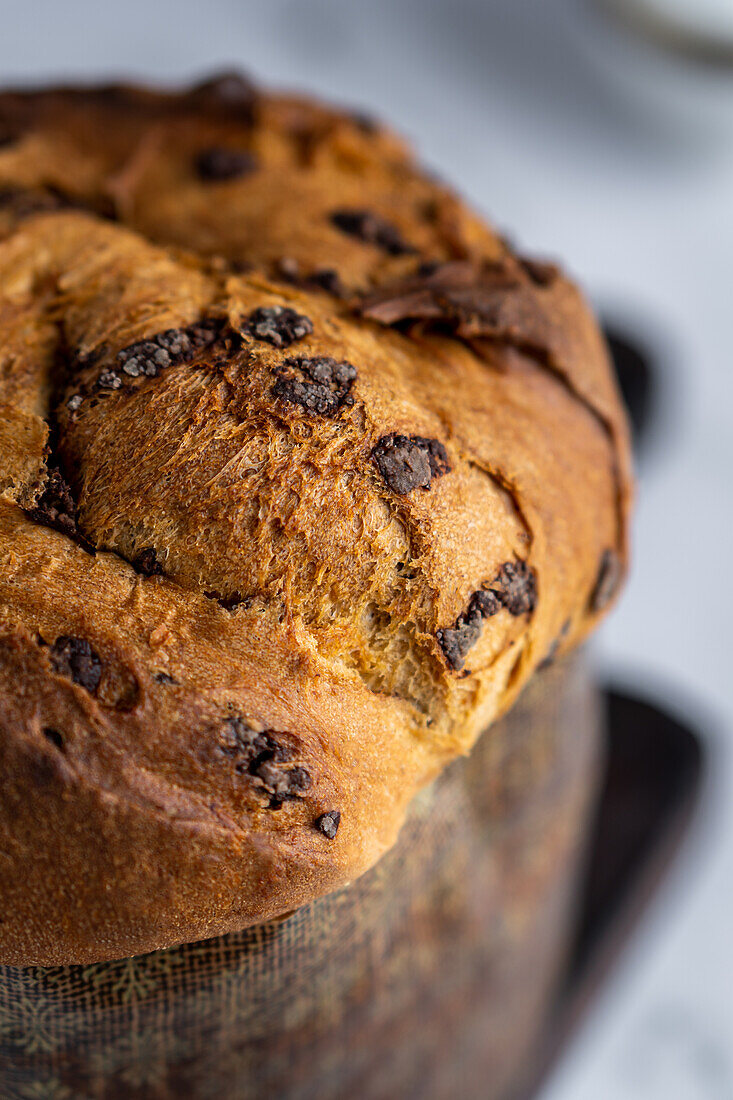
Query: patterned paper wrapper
(431, 976)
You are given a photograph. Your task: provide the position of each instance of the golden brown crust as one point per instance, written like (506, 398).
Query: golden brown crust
(302, 473)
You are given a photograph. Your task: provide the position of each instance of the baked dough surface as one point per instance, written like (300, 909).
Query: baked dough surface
(303, 472)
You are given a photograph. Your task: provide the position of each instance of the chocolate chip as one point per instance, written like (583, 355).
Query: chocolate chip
(109, 380)
(201, 335)
(282, 784)
(486, 602)
(409, 462)
(491, 300)
(514, 588)
(56, 508)
(177, 342)
(230, 93)
(364, 122)
(328, 823)
(607, 581)
(147, 358)
(321, 385)
(278, 325)
(54, 737)
(457, 640)
(262, 756)
(372, 229)
(540, 272)
(227, 87)
(146, 562)
(75, 658)
(326, 278)
(239, 738)
(219, 164)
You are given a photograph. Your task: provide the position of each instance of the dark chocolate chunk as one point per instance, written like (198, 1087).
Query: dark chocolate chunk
(201, 335)
(228, 93)
(409, 462)
(227, 87)
(56, 506)
(237, 267)
(146, 562)
(75, 658)
(486, 602)
(493, 301)
(372, 229)
(514, 588)
(147, 358)
(456, 640)
(326, 278)
(109, 380)
(607, 581)
(242, 740)
(540, 272)
(328, 823)
(282, 784)
(278, 325)
(364, 122)
(261, 755)
(321, 386)
(178, 343)
(54, 737)
(219, 164)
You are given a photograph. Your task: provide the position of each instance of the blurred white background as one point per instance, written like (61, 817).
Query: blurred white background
(583, 144)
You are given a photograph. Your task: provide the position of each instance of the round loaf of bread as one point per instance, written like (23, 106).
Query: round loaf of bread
(303, 471)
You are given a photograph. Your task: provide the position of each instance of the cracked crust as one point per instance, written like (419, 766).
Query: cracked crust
(302, 474)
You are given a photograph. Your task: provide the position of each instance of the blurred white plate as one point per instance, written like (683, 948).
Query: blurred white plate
(711, 19)
(657, 62)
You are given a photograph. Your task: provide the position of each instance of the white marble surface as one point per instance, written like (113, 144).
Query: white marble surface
(500, 97)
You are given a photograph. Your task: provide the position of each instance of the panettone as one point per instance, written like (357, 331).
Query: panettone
(303, 471)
